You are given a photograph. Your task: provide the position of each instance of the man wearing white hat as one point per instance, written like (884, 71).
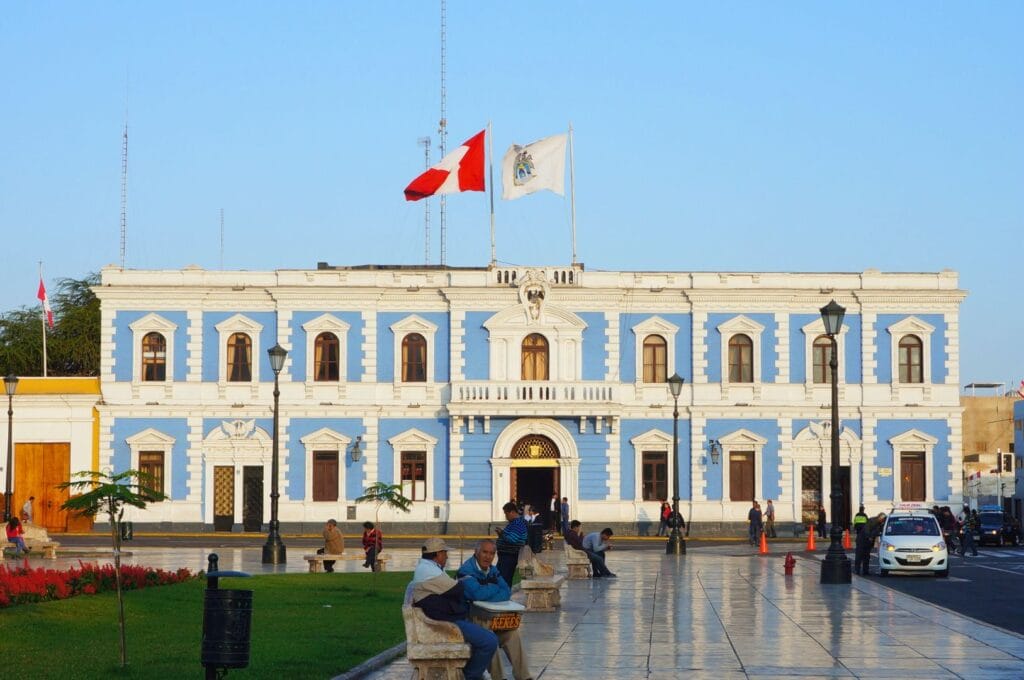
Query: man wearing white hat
(442, 598)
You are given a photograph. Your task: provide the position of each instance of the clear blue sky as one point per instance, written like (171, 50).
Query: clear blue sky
(736, 136)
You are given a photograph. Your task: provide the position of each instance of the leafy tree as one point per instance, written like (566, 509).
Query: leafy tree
(109, 493)
(72, 346)
(385, 494)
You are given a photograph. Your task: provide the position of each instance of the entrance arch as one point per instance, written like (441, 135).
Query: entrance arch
(535, 456)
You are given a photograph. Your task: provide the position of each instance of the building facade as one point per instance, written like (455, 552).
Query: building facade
(471, 386)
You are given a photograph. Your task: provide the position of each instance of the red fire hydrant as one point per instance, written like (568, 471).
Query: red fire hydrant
(789, 563)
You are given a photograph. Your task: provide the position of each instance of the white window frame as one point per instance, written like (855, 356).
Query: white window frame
(653, 441)
(655, 325)
(812, 332)
(414, 439)
(913, 441)
(239, 323)
(327, 323)
(414, 324)
(152, 323)
(752, 329)
(152, 439)
(743, 440)
(325, 439)
(911, 325)
(563, 330)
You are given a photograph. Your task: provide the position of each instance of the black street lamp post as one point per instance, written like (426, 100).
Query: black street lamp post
(676, 543)
(274, 550)
(10, 384)
(836, 566)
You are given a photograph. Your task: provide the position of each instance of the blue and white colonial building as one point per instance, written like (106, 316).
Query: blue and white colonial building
(471, 386)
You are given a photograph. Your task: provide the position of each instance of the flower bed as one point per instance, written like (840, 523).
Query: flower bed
(24, 584)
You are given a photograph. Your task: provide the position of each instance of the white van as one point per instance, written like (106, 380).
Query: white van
(912, 541)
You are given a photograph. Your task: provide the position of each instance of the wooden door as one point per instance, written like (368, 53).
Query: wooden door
(912, 482)
(741, 476)
(223, 497)
(38, 469)
(252, 497)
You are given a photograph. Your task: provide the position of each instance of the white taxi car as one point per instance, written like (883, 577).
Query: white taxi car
(912, 541)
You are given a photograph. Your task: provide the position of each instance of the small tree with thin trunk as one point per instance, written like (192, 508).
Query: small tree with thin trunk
(385, 494)
(109, 493)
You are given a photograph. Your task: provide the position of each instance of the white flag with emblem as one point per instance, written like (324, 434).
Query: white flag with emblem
(536, 166)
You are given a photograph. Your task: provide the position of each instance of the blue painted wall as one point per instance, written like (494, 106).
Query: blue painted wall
(386, 344)
(883, 345)
(298, 461)
(628, 344)
(851, 360)
(353, 341)
(769, 429)
(887, 429)
(176, 486)
(477, 449)
(477, 354)
(593, 452)
(627, 473)
(122, 361)
(594, 338)
(438, 467)
(769, 371)
(213, 353)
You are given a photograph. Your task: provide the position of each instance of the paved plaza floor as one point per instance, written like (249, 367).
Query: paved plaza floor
(718, 612)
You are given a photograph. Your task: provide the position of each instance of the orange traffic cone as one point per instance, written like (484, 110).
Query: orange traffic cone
(846, 540)
(763, 549)
(810, 537)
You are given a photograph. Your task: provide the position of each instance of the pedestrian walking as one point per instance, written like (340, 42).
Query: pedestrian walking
(967, 536)
(822, 522)
(565, 515)
(755, 523)
(663, 515)
(769, 519)
(556, 511)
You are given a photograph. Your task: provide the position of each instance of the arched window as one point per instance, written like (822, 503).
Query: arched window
(239, 358)
(655, 358)
(154, 357)
(325, 358)
(741, 359)
(414, 358)
(535, 357)
(822, 355)
(911, 356)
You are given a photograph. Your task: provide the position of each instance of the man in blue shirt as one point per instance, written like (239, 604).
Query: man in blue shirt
(511, 540)
(595, 545)
(482, 583)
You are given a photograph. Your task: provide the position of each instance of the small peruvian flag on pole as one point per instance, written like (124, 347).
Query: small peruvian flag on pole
(46, 303)
(461, 170)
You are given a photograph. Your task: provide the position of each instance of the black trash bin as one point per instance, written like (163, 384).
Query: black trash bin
(127, 531)
(227, 623)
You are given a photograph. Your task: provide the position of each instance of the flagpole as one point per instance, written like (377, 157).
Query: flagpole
(572, 193)
(42, 318)
(490, 182)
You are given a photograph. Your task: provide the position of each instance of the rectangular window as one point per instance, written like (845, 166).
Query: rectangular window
(325, 475)
(152, 463)
(741, 476)
(912, 482)
(655, 475)
(414, 475)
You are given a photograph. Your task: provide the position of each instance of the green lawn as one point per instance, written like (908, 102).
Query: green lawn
(304, 626)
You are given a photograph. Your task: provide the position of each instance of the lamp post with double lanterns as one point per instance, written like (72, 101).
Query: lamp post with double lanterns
(10, 385)
(676, 543)
(273, 550)
(835, 568)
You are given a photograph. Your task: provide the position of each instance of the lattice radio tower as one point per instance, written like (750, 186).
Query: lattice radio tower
(124, 191)
(443, 125)
(425, 143)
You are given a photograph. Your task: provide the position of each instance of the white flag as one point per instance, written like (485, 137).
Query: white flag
(537, 166)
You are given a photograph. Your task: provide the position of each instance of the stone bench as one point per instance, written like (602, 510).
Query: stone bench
(47, 548)
(316, 562)
(435, 649)
(531, 566)
(542, 592)
(577, 562)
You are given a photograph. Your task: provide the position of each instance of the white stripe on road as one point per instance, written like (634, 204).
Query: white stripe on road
(1005, 571)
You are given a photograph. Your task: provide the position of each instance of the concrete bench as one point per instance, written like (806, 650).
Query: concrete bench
(542, 592)
(530, 565)
(316, 562)
(435, 649)
(577, 562)
(47, 548)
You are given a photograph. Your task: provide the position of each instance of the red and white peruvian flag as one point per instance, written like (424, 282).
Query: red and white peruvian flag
(461, 170)
(46, 303)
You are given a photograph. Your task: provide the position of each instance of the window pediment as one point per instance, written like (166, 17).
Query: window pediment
(655, 325)
(239, 323)
(817, 327)
(554, 318)
(651, 439)
(742, 437)
(325, 438)
(913, 438)
(150, 437)
(325, 322)
(740, 324)
(414, 324)
(152, 322)
(412, 438)
(911, 324)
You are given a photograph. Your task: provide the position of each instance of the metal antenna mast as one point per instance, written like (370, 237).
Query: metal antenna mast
(124, 191)
(443, 126)
(425, 142)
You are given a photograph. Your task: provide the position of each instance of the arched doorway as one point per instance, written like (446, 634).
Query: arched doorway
(535, 474)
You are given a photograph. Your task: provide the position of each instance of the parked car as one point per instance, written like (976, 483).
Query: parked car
(997, 528)
(912, 541)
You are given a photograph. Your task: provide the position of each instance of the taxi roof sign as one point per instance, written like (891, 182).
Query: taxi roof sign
(909, 506)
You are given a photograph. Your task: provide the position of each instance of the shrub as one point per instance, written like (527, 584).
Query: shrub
(22, 584)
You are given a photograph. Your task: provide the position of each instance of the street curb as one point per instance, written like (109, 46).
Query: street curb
(373, 664)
